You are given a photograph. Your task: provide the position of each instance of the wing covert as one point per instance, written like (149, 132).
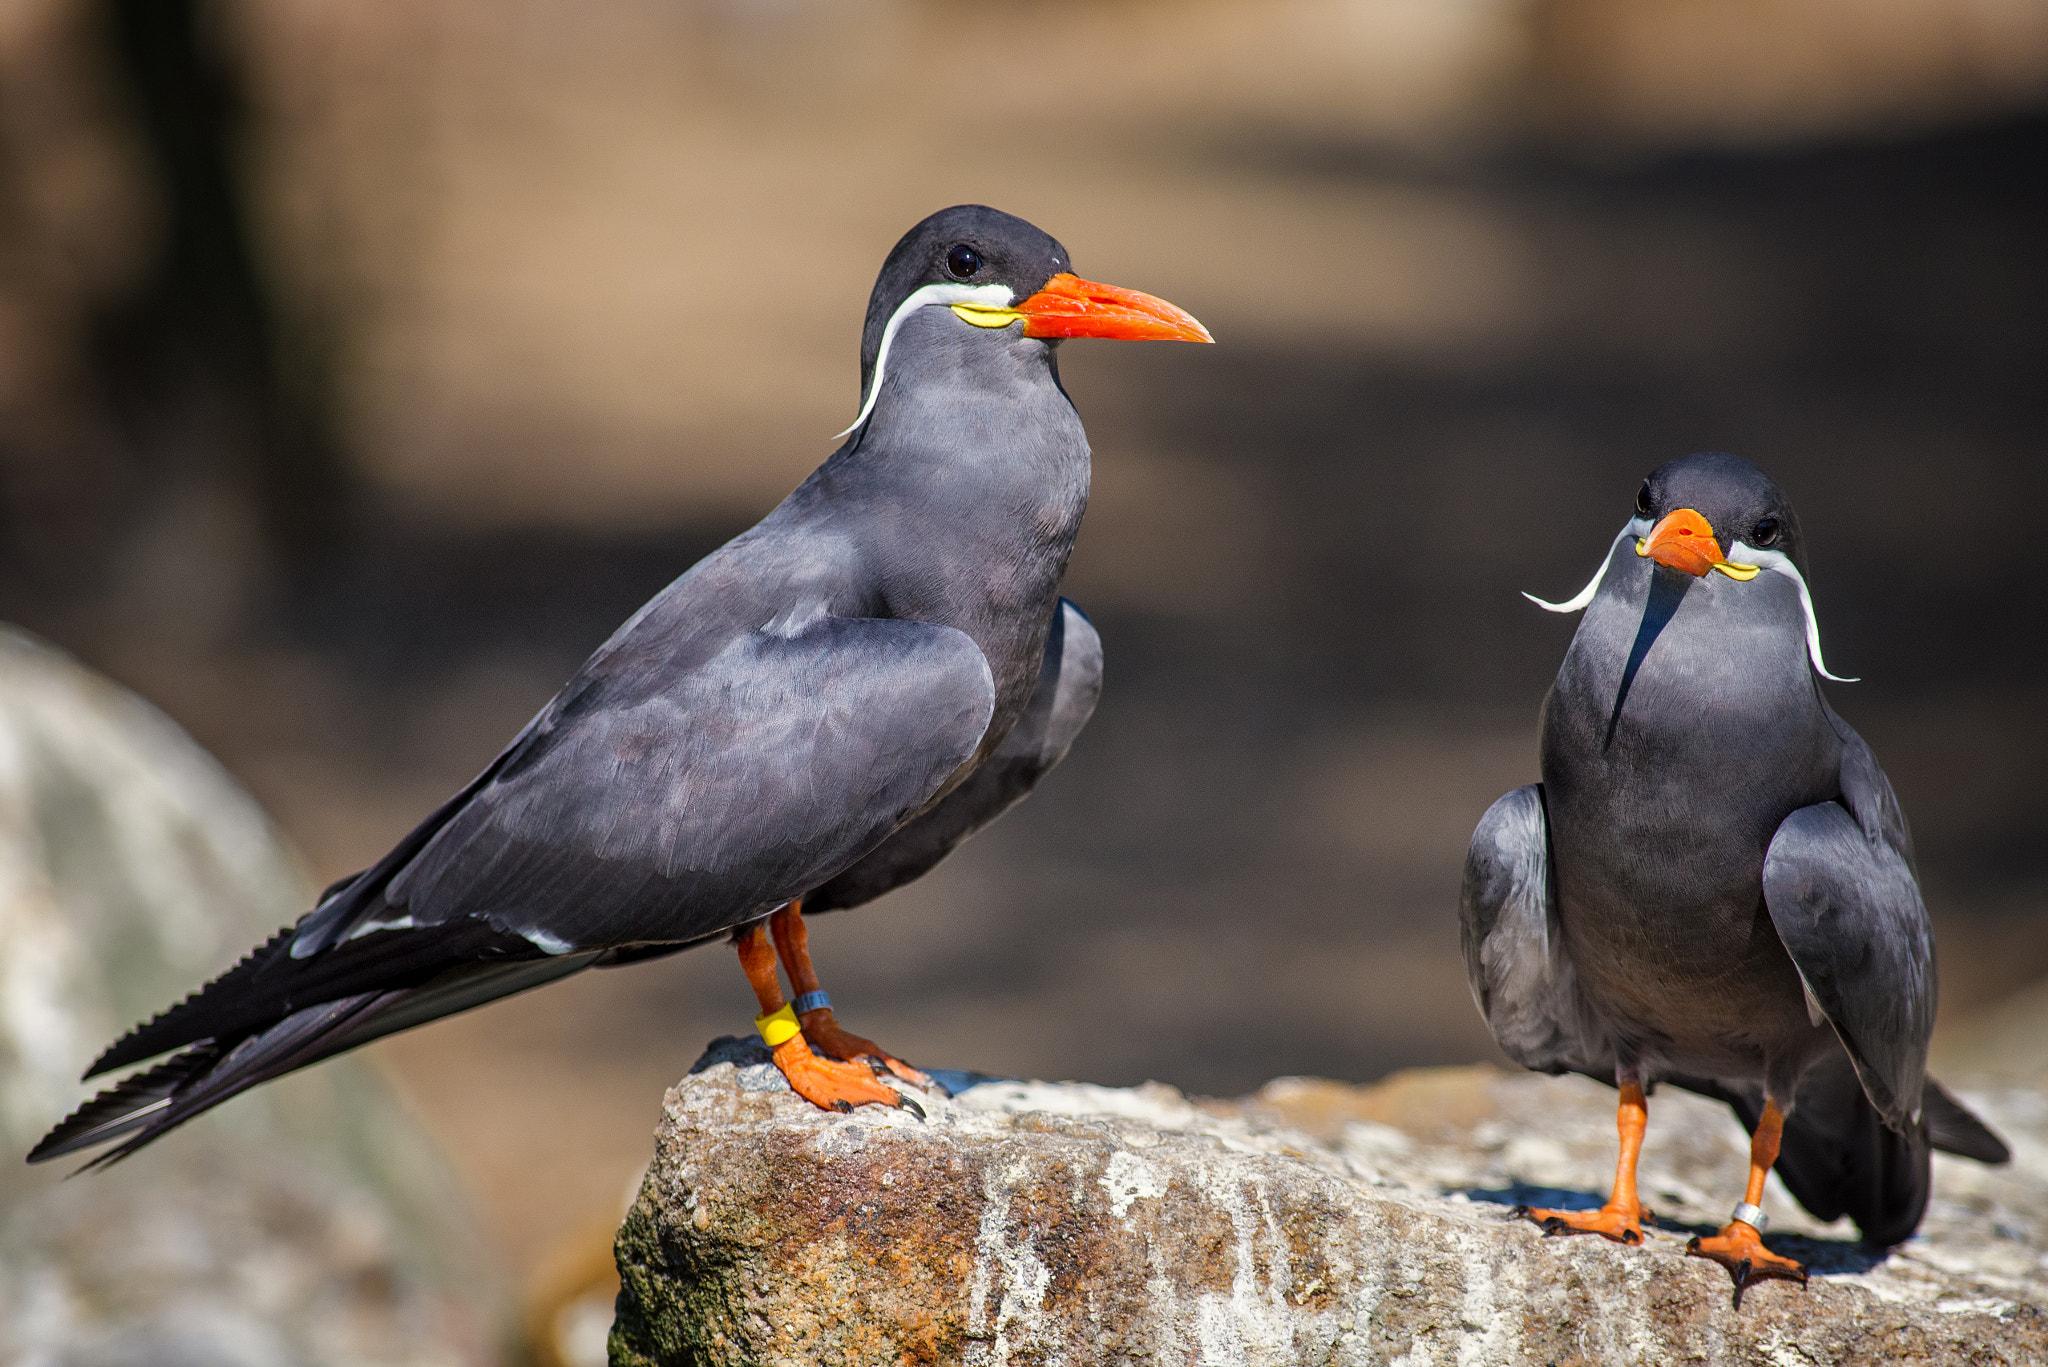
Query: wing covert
(1507, 921)
(1069, 682)
(1847, 907)
(1868, 794)
(668, 808)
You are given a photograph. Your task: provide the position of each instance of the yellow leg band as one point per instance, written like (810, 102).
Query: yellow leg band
(778, 1027)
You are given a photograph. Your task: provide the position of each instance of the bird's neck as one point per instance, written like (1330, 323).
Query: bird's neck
(960, 500)
(1695, 688)
(971, 475)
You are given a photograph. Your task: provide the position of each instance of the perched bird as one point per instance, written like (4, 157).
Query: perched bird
(1713, 884)
(824, 706)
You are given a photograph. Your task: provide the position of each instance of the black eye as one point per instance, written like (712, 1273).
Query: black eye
(1643, 499)
(1765, 532)
(963, 261)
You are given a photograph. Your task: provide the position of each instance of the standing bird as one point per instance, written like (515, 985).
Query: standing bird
(1713, 885)
(825, 705)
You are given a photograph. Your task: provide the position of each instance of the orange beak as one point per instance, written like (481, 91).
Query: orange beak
(1069, 306)
(1684, 540)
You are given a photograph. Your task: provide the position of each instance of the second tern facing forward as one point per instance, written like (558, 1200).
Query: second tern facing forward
(1713, 886)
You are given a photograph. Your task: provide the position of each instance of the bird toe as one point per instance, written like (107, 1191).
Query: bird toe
(1613, 1222)
(1739, 1248)
(834, 1041)
(828, 1083)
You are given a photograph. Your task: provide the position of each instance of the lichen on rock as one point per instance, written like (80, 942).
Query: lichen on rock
(1312, 1223)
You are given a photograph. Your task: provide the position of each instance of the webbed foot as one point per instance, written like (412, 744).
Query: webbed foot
(831, 1084)
(830, 1039)
(1740, 1249)
(1623, 1224)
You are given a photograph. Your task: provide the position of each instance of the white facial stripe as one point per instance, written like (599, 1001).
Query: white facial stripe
(982, 296)
(1777, 561)
(1637, 526)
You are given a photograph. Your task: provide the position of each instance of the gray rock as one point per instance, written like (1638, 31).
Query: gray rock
(1312, 1223)
(309, 1223)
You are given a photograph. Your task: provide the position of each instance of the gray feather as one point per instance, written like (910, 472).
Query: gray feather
(1953, 1129)
(1069, 682)
(1850, 915)
(1507, 914)
(714, 795)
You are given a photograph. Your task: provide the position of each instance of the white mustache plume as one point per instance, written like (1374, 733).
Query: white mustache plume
(1740, 554)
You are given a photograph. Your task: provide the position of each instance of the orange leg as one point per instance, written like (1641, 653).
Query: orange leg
(821, 1028)
(1739, 1246)
(824, 1082)
(1621, 1218)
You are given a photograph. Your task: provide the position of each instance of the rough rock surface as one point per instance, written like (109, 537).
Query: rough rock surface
(1313, 1223)
(306, 1224)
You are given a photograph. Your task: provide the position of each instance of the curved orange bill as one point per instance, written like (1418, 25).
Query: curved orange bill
(1069, 306)
(1684, 540)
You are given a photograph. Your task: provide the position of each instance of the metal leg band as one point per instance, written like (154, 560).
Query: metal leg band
(811, 1001)
(1750, 1215)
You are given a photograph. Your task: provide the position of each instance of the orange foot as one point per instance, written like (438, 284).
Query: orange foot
(1740, 1249)
(1621, 1223)
(822, 1029)
(833, 1085)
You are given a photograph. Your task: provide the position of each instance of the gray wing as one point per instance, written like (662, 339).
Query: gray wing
(1507, 921)
(1841, 893)
(668, 813)
(644, 805)
(1069, 682)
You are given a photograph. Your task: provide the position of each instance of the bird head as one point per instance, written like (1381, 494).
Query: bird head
(1707, 512)
(1714, 512)
(999, 273)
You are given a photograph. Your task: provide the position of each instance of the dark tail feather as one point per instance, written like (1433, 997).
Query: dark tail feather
(197, 1080)
(269, 983)
(160, 1099)
(1952, 1129)
(124, 1108)
(144, 1040)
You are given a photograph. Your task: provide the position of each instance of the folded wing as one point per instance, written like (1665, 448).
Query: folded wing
(1507, 919)
(1849, 912)
(1069, 682)
(644, 806)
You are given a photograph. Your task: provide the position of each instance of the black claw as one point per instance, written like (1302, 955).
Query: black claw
(907, 1104)
(876, 1066)
(1523, 1212)
(843, 1107)
(1630, 1237)
(1741, 1281)
(1555, 1225)
(1692, 1245)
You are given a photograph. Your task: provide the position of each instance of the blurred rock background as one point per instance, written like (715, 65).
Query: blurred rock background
(315, 1226)
(363, 364)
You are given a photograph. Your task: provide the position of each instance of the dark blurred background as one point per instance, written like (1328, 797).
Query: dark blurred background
(362, 365)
